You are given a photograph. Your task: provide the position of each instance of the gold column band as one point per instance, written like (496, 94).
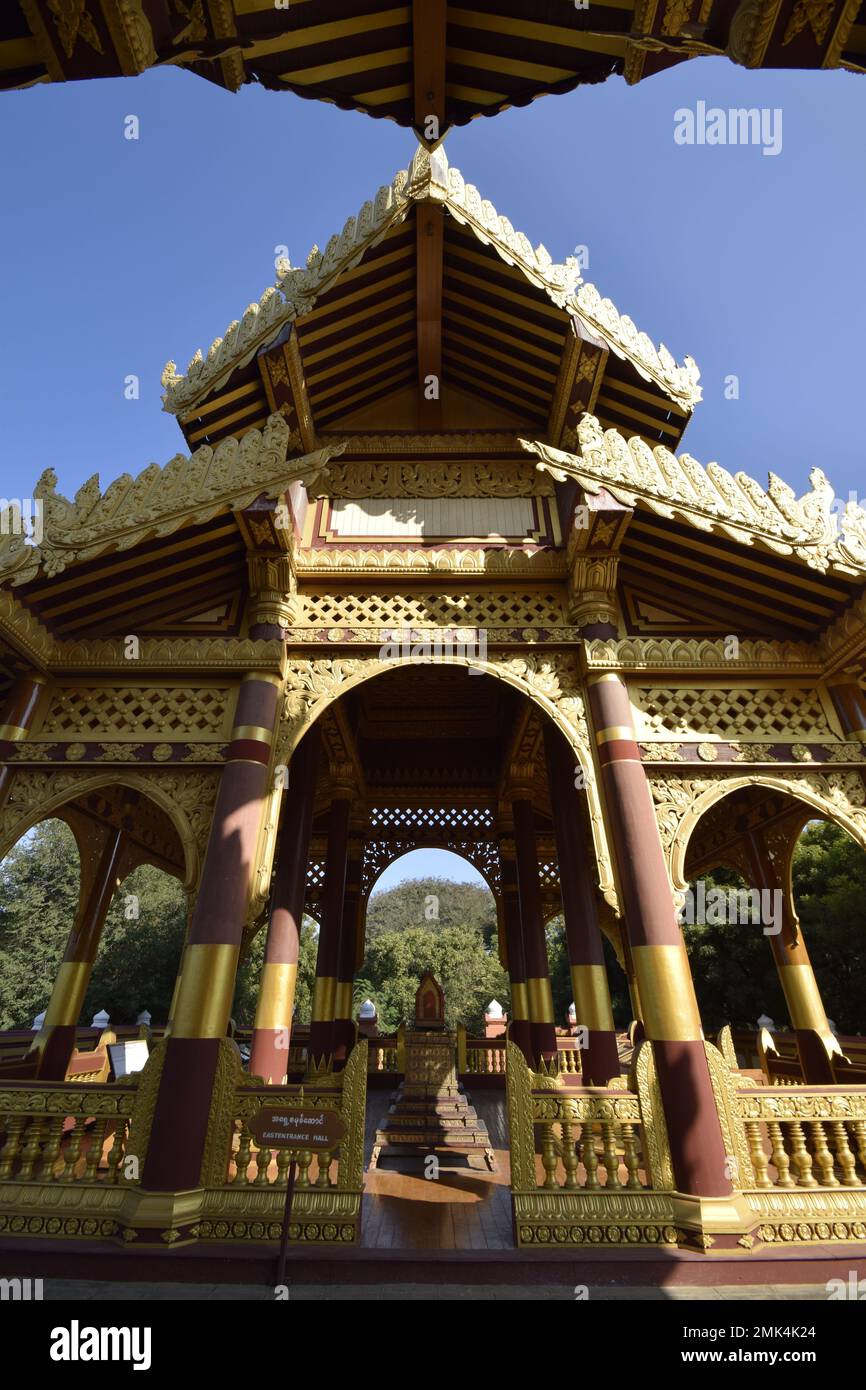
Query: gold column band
(605, 676)
(803, 998)
(254, 731)
(519, 1000)
(267, 676)
(343, 994)
(207, 986)
(323, 999)
(540, 999)
(67, 997)
(615, 732)
(276, 995)
(592, 998)
(670, 1009)
(12, 733)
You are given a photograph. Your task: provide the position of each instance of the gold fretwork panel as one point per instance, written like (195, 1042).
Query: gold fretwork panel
(154, 713)
(743, 712)
(517, 606)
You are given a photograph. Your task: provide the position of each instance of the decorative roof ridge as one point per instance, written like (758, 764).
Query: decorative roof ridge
(188, 490)
(714, 500)
(429, 178)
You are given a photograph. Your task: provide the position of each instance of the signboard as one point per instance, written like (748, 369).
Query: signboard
(276, 1127)
(128, 1057)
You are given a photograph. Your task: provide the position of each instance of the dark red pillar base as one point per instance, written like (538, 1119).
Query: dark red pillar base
(343, 1041)
(57, 1053)
(180, 1121)
(267, 1059)
(817, 1066)
(321, 1044)
(600, 1059)
(699, 1159)
(544, 1042)
(520, 1032)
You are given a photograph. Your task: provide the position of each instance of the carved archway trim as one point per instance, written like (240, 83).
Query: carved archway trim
(552, 682)
(37, 794)
(839, 797)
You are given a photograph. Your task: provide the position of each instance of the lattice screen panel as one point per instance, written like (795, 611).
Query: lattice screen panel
(517, 607)
(447, 819)
(771, 714)
(155, 713)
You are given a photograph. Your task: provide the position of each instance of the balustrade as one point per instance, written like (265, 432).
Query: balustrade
(65, 1134)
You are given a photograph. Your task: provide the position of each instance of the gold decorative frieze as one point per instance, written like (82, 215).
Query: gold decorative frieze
(433, 478)
(482, 606)
(702, 656)
(381, 563)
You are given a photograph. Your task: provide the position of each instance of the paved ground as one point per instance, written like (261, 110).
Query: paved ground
(69, 1290)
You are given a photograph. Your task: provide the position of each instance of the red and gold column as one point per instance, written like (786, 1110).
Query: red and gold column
(321, 1047)
(600, 1058)
(273, 1023)
(670, 1009)
(180, 1124)
(347, 962)
(816, 1043)
(539, 993)
(104, 864)
(520, 1028)
(16, 721)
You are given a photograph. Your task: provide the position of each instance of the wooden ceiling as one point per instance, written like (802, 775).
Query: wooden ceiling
(452, 59)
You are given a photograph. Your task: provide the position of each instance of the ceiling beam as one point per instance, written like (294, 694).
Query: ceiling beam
(430, 236)
(429, 24)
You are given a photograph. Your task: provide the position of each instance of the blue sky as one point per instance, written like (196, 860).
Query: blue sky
(119, 254)
(428, 863)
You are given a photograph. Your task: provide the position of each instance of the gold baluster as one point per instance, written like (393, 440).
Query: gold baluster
(839, 1135)
(323, 1177)
(305, 1158)
(611, 1157)
(284, 1158)
(14, 1127)
(779, 1155)
(760, 1162)
(548, 1154)
(242, 1157)
(589, 1158)
(263, 1163)
(569, 1155)
(32, 1148)
(94, 1149)
(51, 1153)
(823, 1156)
(801, 1159)
(630, 1156)
(74, 1141)
(859, 1130)
(117, 1151)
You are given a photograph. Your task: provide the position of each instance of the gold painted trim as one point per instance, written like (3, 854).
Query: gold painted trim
(13, 733)
(70, 987)
(267, 676)
(252, 731)
(343, 995)
(592, 998)
(323, 999)
(667, 993)
(540, 997)
(605, 676)
(519, 1001)
(803, 997)
(614, 733)
(276, 995)
(206, 990)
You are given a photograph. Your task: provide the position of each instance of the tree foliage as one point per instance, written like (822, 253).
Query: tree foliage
(423, 924)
